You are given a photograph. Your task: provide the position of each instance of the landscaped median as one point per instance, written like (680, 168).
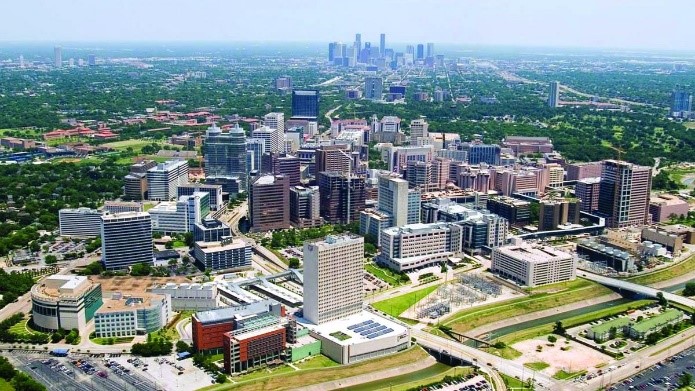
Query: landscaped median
(296, 379)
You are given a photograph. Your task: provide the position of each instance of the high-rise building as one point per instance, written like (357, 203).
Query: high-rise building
(80, 222)
(418, 132)
(275, 121)
(382, 45)
(331, 51)
(255, 148)
(682, 105)
(163, 179)
(420, 52)
(482, 153)
(517, 212)
(430, 50)
(554, 94)
(399, 157)
(269, 204)
(126, 239)
(358, 42)
(273, 138)
(282, 164)
(91, 60)
(283, 83)
(335, 158)
(556, 212)
(373, 88)
(397, 205)
(305, 206)
(420, 175)
(214, 191)
(587, 190)
(58, 57)
(624, 194)
(228, 253)
(305, 104)
(333, 274)
(225, 153)
(577, 171)
(342, 197)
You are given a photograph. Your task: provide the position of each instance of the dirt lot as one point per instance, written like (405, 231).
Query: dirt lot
(577, 358)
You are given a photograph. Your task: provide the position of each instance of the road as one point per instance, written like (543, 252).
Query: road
(329, 117)
(484, 359)
(611, 100)
(636, 288)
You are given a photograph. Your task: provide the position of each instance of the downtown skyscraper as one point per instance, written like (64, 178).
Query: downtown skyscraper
(225, 153)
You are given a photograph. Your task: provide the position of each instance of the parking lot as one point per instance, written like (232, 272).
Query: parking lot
(663, 376)
(470, 383)
(167, 372)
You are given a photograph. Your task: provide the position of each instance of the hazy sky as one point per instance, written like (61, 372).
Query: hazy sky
(661, 24)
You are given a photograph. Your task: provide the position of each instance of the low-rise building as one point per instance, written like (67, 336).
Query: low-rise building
(230, 253)
(64, 302)
(211, 230)
(655, 323)
(533, 265)
(189, 296)
(258, 341)
(672, 241)
(130, 316)
(605, 255)
(664, 206)
(121, 207)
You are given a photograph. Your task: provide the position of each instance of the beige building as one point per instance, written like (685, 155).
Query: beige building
(533, 265)
(333, 278)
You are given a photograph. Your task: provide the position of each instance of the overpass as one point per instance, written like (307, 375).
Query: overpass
(639, 289)
(489, 361)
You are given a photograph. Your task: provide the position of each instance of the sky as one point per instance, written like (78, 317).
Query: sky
(620, 24)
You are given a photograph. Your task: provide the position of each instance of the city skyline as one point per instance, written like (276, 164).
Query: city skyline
(543, 23)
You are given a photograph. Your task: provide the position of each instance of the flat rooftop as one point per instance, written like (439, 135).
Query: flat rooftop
(534, 254)
(356, 328)
(62, 286)
(128, 285)
(240, 311)
(127, 303)
(211, 247)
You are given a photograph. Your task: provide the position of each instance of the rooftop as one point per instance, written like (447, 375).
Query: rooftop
(657, 321)
(606, 326)
(60, 286)
(210, 247)
(356, 328)
(535, 254)
(236, 312)
(128, 303)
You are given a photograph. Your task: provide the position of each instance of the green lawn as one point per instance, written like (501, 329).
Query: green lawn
(547, 328)
(562, 375)
(319, 361)
(179, 243)
(397, 305)
(514, 384)
(263, 373)
(5, 385)
(21, 328)
(103, 341)
(385, 274)
(666, 273)
(537, 366)
(506, 352)
(579, 290)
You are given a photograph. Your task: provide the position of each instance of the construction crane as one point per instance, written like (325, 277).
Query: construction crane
(619, 150)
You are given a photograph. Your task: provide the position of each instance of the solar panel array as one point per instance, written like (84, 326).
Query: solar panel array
(370, 329)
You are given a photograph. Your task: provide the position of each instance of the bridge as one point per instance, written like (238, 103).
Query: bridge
(637, 288)
(463, 337)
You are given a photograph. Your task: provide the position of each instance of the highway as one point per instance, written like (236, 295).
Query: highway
(636, 288)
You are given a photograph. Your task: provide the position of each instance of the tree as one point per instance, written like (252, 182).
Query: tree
(140, 269)
(182, 347)
(685, 380)
(221, 378)
(612, 333)
(552, 339)
(293, 263)
(662, 300)
(559, 329)
(189, 239)
(169, 245)
(51, 259)
(652, 338)
(689, 289)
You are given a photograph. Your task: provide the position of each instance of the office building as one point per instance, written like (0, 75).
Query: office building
(129, 316)
(64, 302)
(282, 164)
(305, 206)
(664, 206)
(305, 104)
(180, 216)
(382, 45)
(229, 253)
(210, 230)
(121, 207)
(80, 222)
(358, 42)
(418, 132)
(420, 175)
(257, 343)
(624, 194)
(430, 50)
(373, 88)
(255, 148)
(333, 274)
(554, 213)
(577, 171)
(334, 158)
(523, 145)
(587, 191)
(415, 246)
(482, 153)
(275, 121)
(91, 60)
(225, 153)
(126, 239)
(420, 52)
(273, 139)
(269, 206)
(682, 105)
(399, 157)
(209, 327)
(58, 57)
(517, 212)
(554, 94)
(163, 179)
(283, 83)
(135, 186)
(397, 205)
(214, 193)
(533, 266)
(343, 197)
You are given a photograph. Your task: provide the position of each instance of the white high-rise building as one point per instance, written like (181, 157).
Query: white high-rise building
(163, 179)
(273, 138)
(275, 121)
(554, 94)
(333, 273)
(418, 132)
(80, 222)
